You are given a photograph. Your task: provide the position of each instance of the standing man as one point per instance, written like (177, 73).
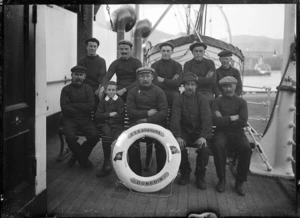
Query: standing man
(191, 124)
(203, 68)
(146, 103)
(168, 72)
(125, 68)
(95, 65)
(227, 70)
(230, 115)
(77, 102)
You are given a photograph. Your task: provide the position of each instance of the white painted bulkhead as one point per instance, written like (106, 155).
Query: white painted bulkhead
(56, 54)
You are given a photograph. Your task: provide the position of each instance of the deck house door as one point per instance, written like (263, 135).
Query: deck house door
(19, 163)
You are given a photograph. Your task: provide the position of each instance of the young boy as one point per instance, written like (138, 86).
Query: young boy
(109, 116)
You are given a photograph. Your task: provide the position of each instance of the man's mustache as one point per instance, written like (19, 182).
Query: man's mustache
(123, 53)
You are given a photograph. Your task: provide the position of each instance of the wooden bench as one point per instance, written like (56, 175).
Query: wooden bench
(65, 151)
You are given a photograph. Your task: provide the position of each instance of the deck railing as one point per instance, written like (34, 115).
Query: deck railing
(264, 103)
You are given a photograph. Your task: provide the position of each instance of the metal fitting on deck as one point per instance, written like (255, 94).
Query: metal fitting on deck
(292, 125)
(292, 108)
(291, 142)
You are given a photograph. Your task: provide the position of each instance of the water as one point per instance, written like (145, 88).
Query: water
(271, 81)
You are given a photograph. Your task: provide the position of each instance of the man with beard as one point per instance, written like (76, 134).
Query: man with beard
(125, 69)
(191, 124)
(230, 115)
(146, 103)
(77, 102)
(95, 65)
(168, 72)
(227, 70)
(203, 68)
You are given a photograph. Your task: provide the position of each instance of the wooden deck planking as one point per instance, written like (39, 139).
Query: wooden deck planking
(78, 192)
(173, 199)
(130, 204)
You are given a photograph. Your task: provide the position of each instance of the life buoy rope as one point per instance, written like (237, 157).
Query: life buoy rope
(157, 181)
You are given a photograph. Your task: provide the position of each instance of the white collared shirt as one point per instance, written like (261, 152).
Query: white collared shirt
(114, 98)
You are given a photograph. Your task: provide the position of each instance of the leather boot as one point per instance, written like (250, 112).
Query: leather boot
(221, 186)
(105, 170)
(86, 164)
(184, 179)
(72, 161)
(240, 189)
(200, 183)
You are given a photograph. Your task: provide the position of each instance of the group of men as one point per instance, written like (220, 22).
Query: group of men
(210, 98)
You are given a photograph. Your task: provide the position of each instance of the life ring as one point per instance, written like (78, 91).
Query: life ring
(157, 181)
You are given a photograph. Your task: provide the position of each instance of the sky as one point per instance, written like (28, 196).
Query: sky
(244, 19)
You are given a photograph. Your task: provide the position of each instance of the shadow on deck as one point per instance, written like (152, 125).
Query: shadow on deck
(78, 192)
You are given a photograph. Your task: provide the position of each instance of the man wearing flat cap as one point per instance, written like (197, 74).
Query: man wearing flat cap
(95, 65)
(146, 103)
(191, 124)
(77, 102)
(230, 115)
(227, 70)
(203, 68)
(168, 72)
(125, 69)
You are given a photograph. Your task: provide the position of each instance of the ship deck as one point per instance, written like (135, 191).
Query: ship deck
(78, 192)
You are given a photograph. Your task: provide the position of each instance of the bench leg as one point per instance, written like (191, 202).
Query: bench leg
(64, 152)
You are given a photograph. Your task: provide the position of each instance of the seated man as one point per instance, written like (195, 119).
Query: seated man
(77, 102)
(191, 125)
(146, 103)
(230, 115)
(110, 117)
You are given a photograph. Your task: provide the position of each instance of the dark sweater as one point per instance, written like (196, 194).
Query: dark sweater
(167, 69)
(106, 107)
(141, 99)
(96, 69)
(201, 68)
(125, 71)
(191, 114)
(231, 71)
(77, 102)
(229, 106)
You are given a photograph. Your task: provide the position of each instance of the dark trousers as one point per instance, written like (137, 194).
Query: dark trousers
(201, 159)
(171, 95)
(239, 144)
(87, 127)
(135, 156)
(110, 134)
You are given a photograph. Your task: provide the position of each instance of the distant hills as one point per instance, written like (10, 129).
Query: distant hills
(257, 43)
(246, 43)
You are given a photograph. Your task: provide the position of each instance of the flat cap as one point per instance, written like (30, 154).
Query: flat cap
(92, 40)
(78, 68)
(145, 70)
(227, 80)
(225, 53)
(196, 44)
(125, 42)
(189, 77)
(166, 44)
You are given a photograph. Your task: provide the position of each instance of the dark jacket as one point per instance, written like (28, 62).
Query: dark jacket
(125, 71)
(167, 69)
(77, 102)
(229, 106)
(141, 99)
(231, 71)
(105, 107)
(96, 69)
(201, 68)
(192, 115)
